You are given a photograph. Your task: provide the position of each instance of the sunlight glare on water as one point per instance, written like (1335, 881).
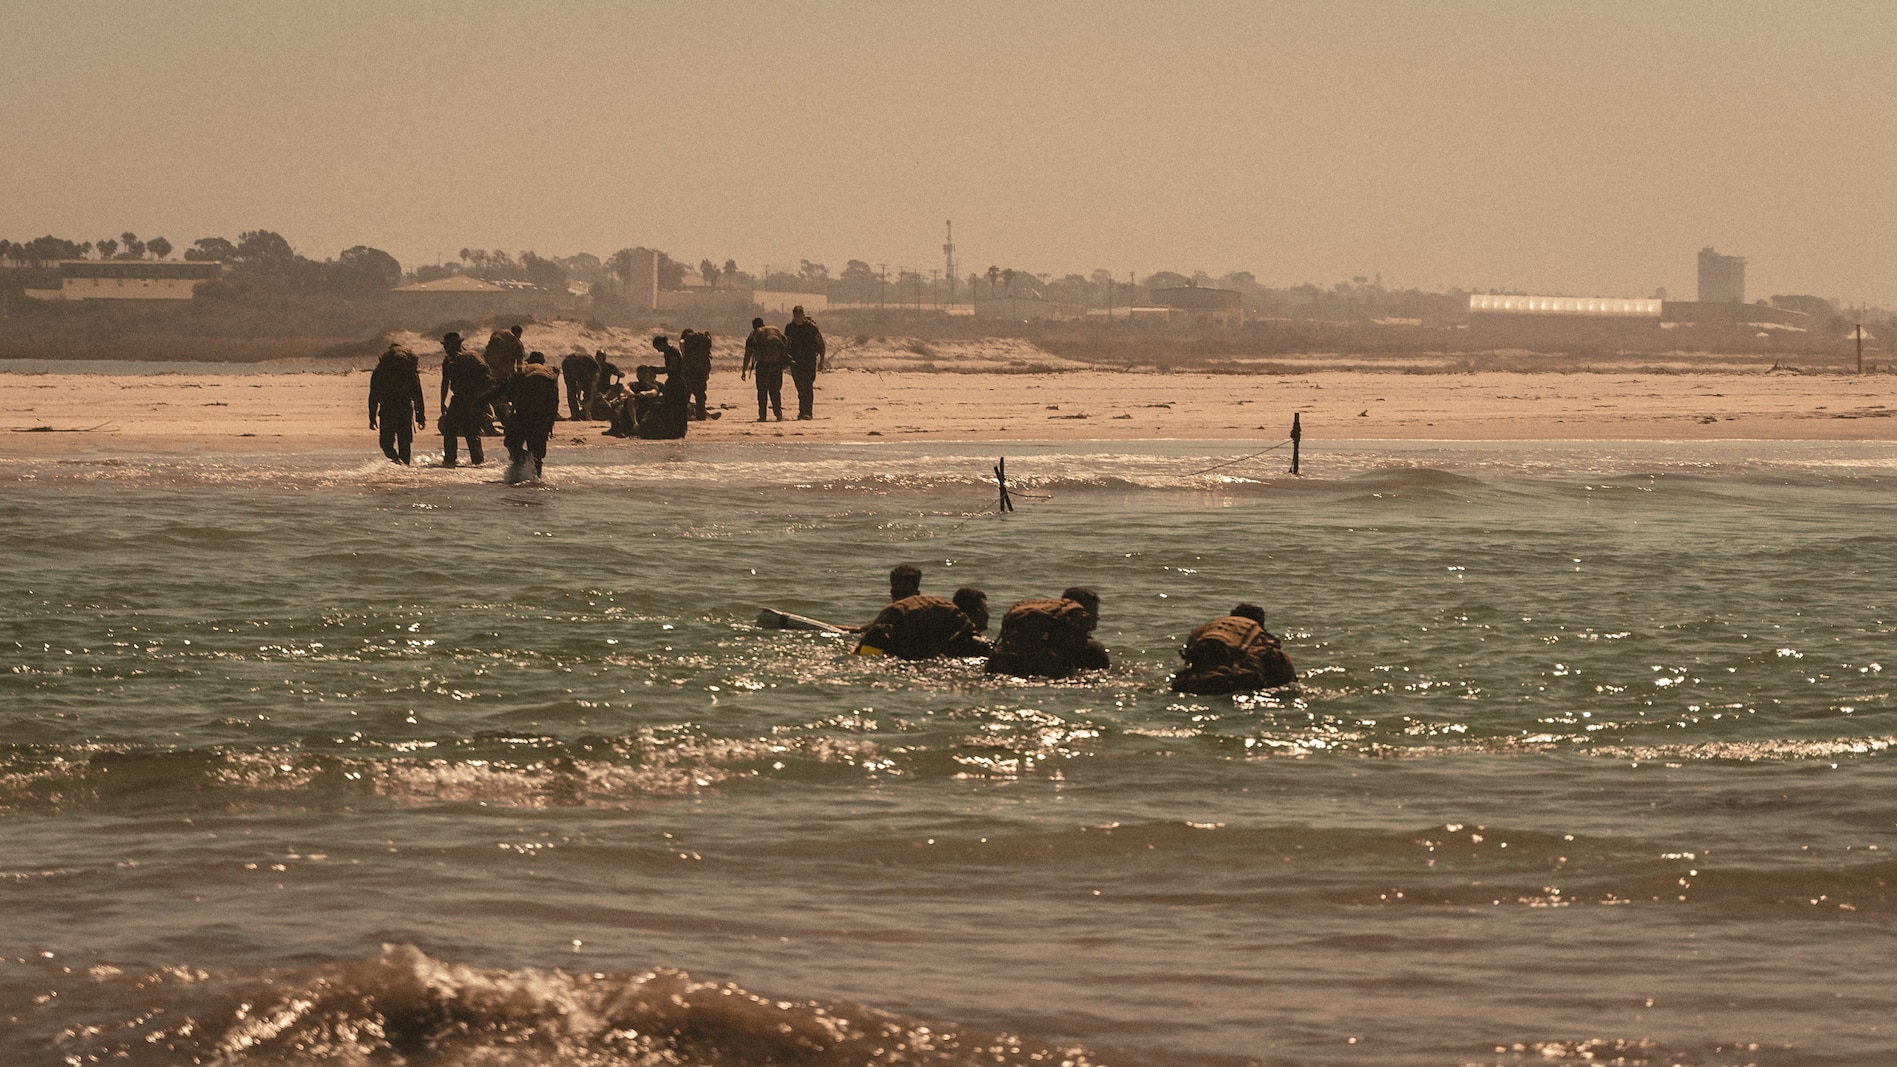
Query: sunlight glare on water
(311, 759)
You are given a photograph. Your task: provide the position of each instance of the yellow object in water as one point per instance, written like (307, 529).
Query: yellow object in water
(869, 650)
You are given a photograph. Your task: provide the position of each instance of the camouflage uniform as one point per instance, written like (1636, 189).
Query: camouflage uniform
(1232, 655)
(1046, 638)
(395, 398)
(463, 374)
(697, 348)
(921, 627)
(534, 395)
(581, 372)
(768, 352)
(503, 355)
(806, 348)
(666, 421)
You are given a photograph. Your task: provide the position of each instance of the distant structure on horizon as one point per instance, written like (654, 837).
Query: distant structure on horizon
(1722, 279)
(1585, 306)
(1530, 320)
(465, 296)
(122, 279)
(1198, 303)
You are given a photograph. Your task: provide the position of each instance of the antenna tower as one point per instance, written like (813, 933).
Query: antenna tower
(948, 251)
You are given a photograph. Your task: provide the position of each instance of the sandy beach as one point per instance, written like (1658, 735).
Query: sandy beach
(91, 414)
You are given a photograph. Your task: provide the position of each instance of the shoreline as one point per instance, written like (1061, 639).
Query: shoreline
(64, 413)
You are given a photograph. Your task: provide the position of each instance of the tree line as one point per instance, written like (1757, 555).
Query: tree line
(262, 265)
(260, 262)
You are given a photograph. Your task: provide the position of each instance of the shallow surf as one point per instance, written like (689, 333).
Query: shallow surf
(312, 759)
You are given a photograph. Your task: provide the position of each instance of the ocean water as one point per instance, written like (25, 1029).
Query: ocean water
(308, 759)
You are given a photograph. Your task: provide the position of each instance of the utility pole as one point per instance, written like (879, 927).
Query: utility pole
(948, 251)
(882, 291)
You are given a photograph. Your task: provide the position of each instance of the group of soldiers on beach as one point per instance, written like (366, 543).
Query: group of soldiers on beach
(509, 390)
(1052, 637)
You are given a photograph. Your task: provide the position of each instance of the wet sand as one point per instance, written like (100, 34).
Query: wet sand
(85, 414)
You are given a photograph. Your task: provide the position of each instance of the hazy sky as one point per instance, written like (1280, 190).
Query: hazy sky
(1587, 148)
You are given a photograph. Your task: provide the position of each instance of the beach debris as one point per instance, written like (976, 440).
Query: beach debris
(60, 429)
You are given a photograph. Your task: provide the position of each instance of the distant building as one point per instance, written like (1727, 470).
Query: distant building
(1731, 313)
(1199, 303)
(1025, 308)
(701, 300)
(1564, 306)
(781, 303)
(642, 282)
(127, 279)
(1531, 321)
(464, 296)
(1722, 279)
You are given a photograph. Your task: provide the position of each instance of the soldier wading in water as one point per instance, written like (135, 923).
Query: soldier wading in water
(533, 396)
(1050, 638)
(467, 378)
(1233, 654)
(917, 626)
(395, 398)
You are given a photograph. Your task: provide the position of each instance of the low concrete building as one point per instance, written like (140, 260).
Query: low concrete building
(1729, 313)
(127, 279)
(1026, 308)
(702, 300)
(462, 296)
(1199, 303)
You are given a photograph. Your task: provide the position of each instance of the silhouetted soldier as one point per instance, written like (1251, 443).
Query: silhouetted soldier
(581, 371)
(463, 374)
(636, 403)
(905, 579)
(806, 349)
(767, 352)
(607, 376)
(503, 355)
(534, 395)
(696, 345)
(1050, 638)
(924, 627)
(1233, 654)
(666, 422)
(395, 396)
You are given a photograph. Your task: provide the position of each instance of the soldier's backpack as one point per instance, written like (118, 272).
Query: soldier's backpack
(1227, 642)
(1043, 635)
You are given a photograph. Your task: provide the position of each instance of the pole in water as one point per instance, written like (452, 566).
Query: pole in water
(1001, 479)
(1297, 434)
